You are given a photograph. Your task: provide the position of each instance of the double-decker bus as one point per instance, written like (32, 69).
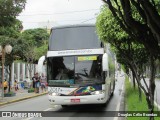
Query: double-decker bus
(80, 68)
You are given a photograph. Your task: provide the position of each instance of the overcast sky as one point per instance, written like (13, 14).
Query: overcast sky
(49, 13)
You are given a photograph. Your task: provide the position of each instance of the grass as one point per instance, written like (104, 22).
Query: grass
(133, 102)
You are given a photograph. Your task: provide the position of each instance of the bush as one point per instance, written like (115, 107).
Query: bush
(9, 94)
(31, 90)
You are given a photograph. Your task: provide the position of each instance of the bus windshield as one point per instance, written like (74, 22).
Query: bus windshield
(71, 38)
(75, 70)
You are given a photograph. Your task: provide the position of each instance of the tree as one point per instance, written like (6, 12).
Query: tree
(40, 51)
(17, 51)
(11, 31)
(36, 45)
(128, 52)
(9, 25)
(132, 43)
(36, 36)
(37, 40)
(140, 29)
(9, 10)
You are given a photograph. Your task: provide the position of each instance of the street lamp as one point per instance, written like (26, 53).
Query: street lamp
(3, 50)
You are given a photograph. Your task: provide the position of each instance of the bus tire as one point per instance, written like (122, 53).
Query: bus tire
(64, 106)
(105, 104)
(113, 89)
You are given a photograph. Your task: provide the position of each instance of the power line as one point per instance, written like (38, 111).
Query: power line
(61, 12)
(88, 20)
(85, 20)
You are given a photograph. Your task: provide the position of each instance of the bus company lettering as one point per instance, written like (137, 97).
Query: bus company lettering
(75, 52)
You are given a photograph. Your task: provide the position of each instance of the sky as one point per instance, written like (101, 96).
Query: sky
(50, 13)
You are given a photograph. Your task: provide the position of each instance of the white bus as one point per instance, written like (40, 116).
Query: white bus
(80, 68)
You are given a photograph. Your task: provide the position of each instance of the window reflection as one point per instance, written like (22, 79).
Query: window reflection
(75, 70)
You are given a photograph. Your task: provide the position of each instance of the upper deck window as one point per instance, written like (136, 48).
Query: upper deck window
(71, 38)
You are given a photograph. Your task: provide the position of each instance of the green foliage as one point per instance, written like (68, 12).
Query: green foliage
(107, 28)
(9, 35)
(17, 51)
(111, 65)
(5, 40)
(23, 44)
(140, 20)
(36, 40)
(132, 98)
(40, 51)
(31, 90)
(9, 10)
(157, 3)
(35, 37)
(28, 45)
(10, 27)
(127, 50)
(11, 31)
(11, 92)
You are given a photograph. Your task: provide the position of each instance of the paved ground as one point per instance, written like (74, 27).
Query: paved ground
(21, 94)
(82, 112)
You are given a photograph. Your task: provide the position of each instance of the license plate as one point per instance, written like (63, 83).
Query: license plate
(75, 100)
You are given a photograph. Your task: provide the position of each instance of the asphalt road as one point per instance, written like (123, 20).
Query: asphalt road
(75, 112)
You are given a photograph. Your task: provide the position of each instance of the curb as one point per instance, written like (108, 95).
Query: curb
(21, 99)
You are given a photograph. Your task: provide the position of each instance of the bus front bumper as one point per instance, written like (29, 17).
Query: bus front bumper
(71, 100)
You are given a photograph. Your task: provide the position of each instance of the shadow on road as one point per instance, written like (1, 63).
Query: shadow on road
(88, 110)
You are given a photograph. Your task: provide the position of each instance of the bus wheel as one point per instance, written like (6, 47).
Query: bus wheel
(103, 105)
(64, 106)
(113, 89)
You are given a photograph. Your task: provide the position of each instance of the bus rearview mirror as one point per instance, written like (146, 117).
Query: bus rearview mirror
(105, 62)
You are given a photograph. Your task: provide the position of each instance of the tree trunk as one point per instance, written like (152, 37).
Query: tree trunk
(9, 89)
(149, 92)
(152, 85)
(134, 81)
(29, 66)
(140, 93)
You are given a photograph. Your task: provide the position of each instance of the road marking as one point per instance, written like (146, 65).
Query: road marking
(48, 109)
(119, 103)
(29, 118)
(43, 110)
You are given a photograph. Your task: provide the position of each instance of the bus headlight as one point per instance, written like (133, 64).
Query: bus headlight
(54, 94)
(97, 92)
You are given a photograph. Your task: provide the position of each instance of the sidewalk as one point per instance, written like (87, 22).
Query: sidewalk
(21, 94)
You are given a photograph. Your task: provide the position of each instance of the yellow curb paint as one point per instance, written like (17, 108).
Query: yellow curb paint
(3, 103)
(24, 98)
